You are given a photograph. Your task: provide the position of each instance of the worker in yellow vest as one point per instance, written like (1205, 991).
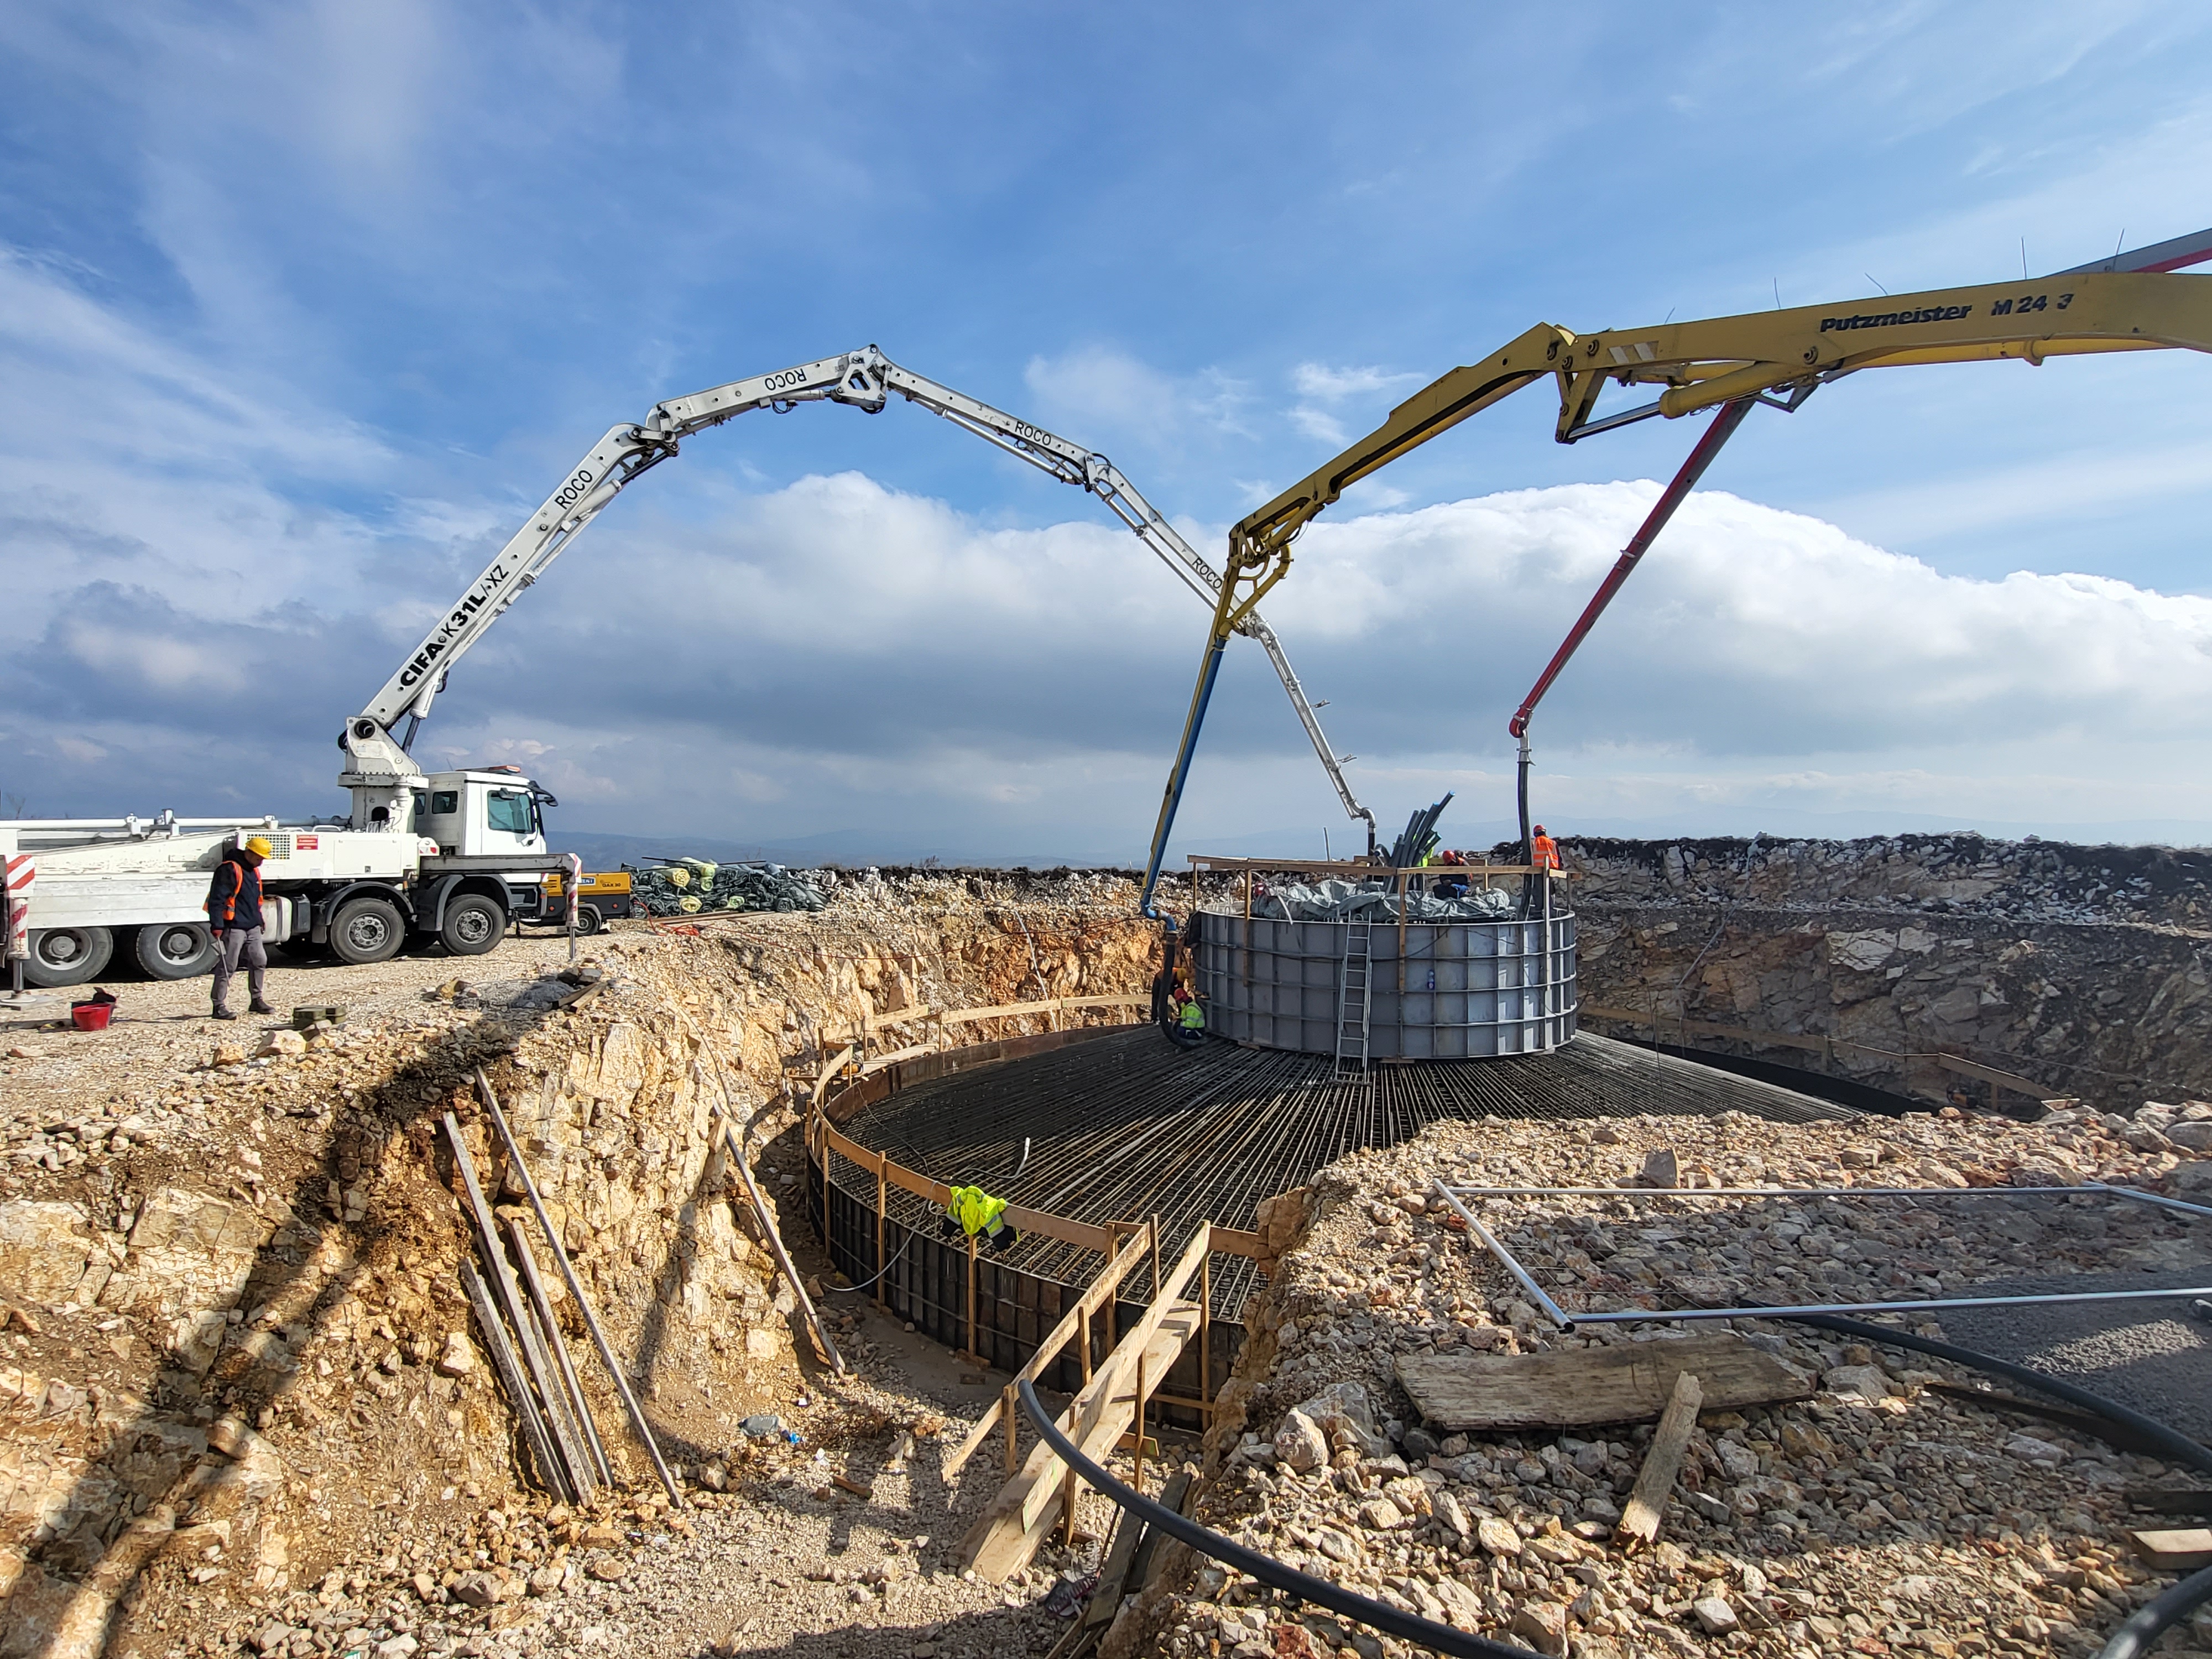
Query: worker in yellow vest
(972, 1211)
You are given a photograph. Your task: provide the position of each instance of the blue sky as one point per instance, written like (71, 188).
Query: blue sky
(305, 306)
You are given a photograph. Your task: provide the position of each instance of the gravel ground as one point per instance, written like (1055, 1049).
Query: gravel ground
(2155, 1356)
(1878, 1516)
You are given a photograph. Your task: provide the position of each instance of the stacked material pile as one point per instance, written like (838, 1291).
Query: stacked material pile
(686, 887)
(1375, 900)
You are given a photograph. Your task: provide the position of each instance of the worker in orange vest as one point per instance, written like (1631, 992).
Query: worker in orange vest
(1543, 851)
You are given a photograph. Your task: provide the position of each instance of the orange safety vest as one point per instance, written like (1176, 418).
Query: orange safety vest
(1544, 853)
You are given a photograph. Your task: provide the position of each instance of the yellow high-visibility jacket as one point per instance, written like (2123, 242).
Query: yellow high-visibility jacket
(975, 1210)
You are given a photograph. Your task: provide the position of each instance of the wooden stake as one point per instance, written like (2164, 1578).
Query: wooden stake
(973, 1352)
(1647, 1505)
(1206, 1317)
(1137, 1473)
(567, 1459)
(1010, 1408)
(883, 1205)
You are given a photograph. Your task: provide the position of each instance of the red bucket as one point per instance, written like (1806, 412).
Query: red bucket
(91, 1016)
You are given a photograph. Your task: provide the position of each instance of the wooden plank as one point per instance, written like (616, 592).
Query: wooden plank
(1094, 1296)
(1578, 1387)
(1103, 1413)
(2174, 1549)
(1015, 1522)
(1236, 1241)
(1081, 1234)
(1647, 1503)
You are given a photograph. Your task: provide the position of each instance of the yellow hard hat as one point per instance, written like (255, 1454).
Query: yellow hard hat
(259, 845)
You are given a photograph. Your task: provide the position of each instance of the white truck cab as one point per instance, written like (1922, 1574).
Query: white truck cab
(472, 861)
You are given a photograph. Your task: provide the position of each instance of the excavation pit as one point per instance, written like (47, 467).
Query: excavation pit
(1121, 1124)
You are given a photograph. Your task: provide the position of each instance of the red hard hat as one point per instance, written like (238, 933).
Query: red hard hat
(1540, 828)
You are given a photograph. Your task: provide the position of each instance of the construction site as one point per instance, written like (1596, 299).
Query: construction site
(1571, 1246)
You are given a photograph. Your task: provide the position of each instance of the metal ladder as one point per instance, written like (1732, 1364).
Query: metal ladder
(1354, 981)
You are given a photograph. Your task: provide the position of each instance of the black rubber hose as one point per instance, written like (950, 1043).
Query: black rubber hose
(1303, 1586)
(2153, 1619)
(2176, 1445)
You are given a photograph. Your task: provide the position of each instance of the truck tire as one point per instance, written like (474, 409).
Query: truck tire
(473, 925)
(367, 929)
(588, 920)
(176, 950)
(67, 956)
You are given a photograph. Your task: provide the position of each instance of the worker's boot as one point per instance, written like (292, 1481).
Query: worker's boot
(258, 1006)
(221, 1012)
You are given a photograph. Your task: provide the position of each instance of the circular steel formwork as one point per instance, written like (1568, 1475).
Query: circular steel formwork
(1119, 1124)
(1434, 990)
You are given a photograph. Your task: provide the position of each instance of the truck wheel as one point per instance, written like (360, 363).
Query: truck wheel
(473, 925)
(365, 930)
(67, 955)
(177, 950)
(588, 921)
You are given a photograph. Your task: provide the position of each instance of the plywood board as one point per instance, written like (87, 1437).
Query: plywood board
(1574, 1388)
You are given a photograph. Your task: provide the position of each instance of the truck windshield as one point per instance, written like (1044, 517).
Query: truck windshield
(508, 810)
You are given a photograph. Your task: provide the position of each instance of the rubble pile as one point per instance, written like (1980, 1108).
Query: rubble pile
(1878, 1512)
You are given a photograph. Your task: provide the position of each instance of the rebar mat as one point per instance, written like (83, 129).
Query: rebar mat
(1127, 1125)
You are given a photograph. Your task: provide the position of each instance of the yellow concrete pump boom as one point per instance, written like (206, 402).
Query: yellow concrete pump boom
(2130, 302)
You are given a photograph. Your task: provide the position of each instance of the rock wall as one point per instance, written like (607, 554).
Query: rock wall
(236, 1355)
(2084, 969)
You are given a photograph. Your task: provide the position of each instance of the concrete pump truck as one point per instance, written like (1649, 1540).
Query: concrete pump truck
(453, 858)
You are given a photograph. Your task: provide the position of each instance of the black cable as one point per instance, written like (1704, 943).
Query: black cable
(2153, 1619)
(1301, 1586)
(847, 1290)
(2173, 1443)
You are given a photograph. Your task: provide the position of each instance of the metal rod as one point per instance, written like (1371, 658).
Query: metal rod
(2084, 1188)
(1552, 1309)
(1629, 1317)
(564, 1456)
(579, 1408)
(634, 1412)
(510, 1374)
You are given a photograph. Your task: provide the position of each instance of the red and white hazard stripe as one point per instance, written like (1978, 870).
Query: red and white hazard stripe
(22, 874)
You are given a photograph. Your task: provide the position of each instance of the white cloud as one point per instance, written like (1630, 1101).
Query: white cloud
(1328, 385)
(1102, 385)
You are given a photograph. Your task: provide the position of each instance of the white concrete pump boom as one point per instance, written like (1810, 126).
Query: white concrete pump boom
(380, 771)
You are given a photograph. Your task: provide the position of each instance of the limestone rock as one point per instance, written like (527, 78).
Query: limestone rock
(460, 1357)
(475, 1589)
(283, 1045)
(1660, 1169)
(1714, 1616)
(1543, 1626)
(1300, 1444)
(1499, 1537)
(1867, 1382)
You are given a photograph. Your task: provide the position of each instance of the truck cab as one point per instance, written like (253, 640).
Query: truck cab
(482, 813)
